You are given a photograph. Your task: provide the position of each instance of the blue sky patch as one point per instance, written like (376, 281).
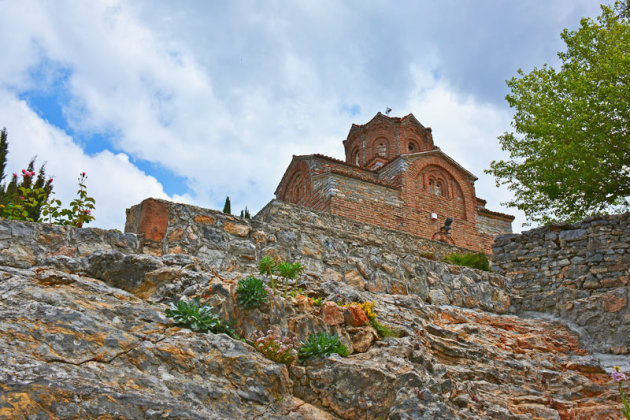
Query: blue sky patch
(172, 183)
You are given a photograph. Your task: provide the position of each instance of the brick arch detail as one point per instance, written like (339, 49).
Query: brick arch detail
(297, 189)
(435, 174)
(353, 144)
(459, 191)
(377, 139)
(418, 145)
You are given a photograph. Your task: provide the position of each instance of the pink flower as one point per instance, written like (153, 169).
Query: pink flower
(50, 180)
(82, 173)
(86, 211)
(14, 175)
(24, 171)
(32, 173)
(618, 376)
(22, 198)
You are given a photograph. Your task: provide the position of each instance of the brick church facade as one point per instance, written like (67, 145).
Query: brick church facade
(396, 178)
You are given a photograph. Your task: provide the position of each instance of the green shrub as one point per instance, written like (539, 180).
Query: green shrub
(469, 259)
(289, 271)
(296, 293)
(199, 318)
(251, 292)
(318, 301)
(384, 331)
(268, 266)
(320, 345)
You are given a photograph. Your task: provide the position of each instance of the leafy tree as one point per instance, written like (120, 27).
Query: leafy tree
(29, 196)
(13, 192)
(570, 149)
(227, 207)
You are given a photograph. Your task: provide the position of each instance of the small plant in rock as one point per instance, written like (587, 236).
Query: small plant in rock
(473, 260)
(296, 293)
(276, 348)
(268, 266)
(318, 301)
(289, 271)
(198, 317)
(619, 377)
(320, 345)
(251, 293)
(366, 307)
(384, 331)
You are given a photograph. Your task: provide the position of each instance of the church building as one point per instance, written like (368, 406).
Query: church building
(395, 177)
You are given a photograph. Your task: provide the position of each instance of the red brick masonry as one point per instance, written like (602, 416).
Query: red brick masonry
(395, 177)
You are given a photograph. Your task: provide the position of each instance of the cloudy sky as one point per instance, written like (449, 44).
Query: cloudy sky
(195, 100)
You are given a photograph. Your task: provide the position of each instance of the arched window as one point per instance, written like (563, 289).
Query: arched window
(355, 157)
(437, 187)
(381, 149)
(296, 191)
(412, 147)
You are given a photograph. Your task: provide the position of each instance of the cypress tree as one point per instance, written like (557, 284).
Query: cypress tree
(227, 208)
(4, 151)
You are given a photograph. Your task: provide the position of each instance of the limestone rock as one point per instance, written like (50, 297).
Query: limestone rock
(331, 313)
(83, 332)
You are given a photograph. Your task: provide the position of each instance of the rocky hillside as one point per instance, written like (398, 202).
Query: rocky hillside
(83, 332)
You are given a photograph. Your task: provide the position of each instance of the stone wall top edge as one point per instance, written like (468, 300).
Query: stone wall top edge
(42, 226)
(347, 221)
(558, 227)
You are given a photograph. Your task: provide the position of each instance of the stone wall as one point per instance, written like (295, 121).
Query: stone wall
(332, 248)
(492, 224)
(26, 244)
(578, 273)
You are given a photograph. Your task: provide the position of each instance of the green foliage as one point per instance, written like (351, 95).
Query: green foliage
(200, 318)
(251, 293)
(289, 271)
(318, 301)
(469, 259)
(570, 149)
(276, 348)
(31, 197)
(286, 270)
(320, 345)
(384, 331)
(296, 293)
(22, 198)
(227, 207)
(245, 214)
(79, 213)
(267, 266)
(4, 151)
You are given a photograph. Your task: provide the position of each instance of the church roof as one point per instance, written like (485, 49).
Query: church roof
(409, 118)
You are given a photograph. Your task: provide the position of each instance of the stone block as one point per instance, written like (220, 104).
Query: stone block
(354, 316)
(331, 313)
(237, 229)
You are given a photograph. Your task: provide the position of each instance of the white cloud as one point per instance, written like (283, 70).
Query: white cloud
(222, 94)
(112, 180)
